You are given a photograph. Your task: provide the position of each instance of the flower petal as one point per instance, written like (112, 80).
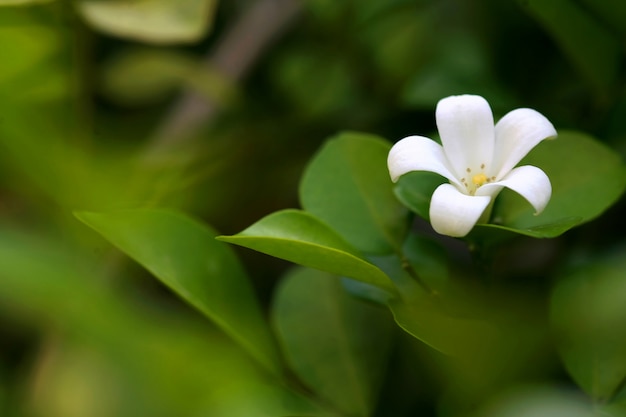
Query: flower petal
(453, 213)
(528, 181)
(467, 133)
(516, 134)
(417, 153)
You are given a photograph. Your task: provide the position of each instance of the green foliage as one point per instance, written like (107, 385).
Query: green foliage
(116, 109)
(586, 176)
(587, 310)
(337, 345)
(184, 255)
(415, 189)
(299, 237)
(21, 2)
(460, 64)
(347, 186)
(121, 356)
(154, 21)
(139, 76)
(590, 46)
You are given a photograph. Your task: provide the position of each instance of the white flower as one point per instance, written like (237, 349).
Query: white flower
(477, 158)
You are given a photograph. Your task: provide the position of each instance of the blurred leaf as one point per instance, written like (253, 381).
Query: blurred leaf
(612, 12)
(398, 35)
(337, 345)
(587, 43)
(152, 361)
(319, 83)
(588, 310)
(21, 2)
(300, 237)
(489, 339)
(614, 409)
(138, 76)
(461, 64)
(347, 186)
(587, 178)
(415, 189)
(539, 401)
(428, 320)
(35, 56)
(154, 21)
(184, 255)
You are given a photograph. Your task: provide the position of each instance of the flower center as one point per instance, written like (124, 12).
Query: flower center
(476, 180)
(479, 179)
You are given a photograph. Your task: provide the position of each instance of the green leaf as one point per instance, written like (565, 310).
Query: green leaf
(426, 319)
(347, 186)
(489, 338)
(415, 189)
(588, 310)
(184, 255)
(22, 2)
(612, 12)
(300, 237)
(587, 178)
(154, 21)
(587, 43)
(533, 401)
(423, 267)
(337, 345)
(138, 347)
(142, 75)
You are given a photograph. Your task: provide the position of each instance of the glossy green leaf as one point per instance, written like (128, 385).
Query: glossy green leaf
(587, 178)
(185, 256)
(300, 237)
(588, 310)
(587, 43)
(337, 345)
(155, 21)
(347, 186)
(416, 188)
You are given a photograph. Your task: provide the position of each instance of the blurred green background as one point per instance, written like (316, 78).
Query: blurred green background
(214, 108)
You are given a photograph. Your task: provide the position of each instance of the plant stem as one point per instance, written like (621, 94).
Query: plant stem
(406, 265)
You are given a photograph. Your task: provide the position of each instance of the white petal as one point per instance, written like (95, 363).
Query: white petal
(466, 128)
(528, 181)
(417, 153)
(516, 134)
(453, 213)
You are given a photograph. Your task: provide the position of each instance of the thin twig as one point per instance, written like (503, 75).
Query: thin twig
(406, 265)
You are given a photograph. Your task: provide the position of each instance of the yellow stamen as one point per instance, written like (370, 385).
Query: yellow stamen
(479, 179)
